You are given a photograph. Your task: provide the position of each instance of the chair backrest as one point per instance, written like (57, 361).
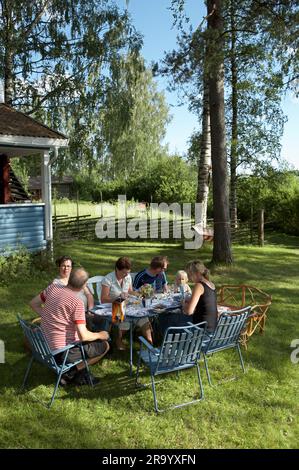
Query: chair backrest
(95, 285)
(181, 347)
(228, 330)
(39, 345)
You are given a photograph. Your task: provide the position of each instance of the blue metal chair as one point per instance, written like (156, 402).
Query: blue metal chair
(226, 335)
(42, 353)
(180, 350)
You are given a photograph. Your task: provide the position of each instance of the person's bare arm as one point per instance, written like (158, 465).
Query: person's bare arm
(105, 294)
(190, 304)
(89, 296)
(37, 304)
(86, 335)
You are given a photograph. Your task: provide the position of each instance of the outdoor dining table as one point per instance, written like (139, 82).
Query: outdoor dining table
(135, 310)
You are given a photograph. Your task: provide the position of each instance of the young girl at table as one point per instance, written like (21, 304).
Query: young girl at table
(181, 279)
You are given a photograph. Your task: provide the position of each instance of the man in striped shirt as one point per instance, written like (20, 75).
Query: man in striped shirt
(63, 322)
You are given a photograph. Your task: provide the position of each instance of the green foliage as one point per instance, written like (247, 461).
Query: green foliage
(168, 179)
(278, 193)
(23, 265)
(134, 120)
(57, 60)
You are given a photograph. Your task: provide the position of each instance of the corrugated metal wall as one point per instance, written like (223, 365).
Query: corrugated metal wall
(21, 224)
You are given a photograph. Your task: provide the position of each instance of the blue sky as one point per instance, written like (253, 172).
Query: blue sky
(154, 21)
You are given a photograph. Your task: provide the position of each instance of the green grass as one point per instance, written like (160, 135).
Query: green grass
(258, 410)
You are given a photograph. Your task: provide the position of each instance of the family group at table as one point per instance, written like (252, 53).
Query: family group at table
(65, 304)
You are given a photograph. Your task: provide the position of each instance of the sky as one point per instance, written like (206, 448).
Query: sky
(153, 19)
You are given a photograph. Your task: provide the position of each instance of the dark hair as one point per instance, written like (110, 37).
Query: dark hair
(123, 263)
(77, 278)
(158, 262)
(62, 259)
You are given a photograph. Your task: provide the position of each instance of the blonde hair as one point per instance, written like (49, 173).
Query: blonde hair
(181, 273)
(197, 267)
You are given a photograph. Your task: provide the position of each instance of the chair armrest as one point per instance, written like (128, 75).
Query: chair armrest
(149, 346)
(66, 348)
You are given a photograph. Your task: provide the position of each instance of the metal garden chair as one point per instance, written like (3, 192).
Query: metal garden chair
(180, 350)
(227, 335)
(42, 353)
(94, 284)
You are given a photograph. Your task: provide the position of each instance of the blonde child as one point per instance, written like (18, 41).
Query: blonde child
(181, 279)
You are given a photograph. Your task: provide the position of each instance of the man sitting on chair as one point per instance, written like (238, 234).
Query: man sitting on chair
(63, 322)
(153, 275)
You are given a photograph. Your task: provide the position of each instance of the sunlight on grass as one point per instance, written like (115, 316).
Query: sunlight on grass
(257, 410)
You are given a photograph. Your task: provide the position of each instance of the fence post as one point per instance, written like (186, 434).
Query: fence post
(251, 224)
(55, 212)
(78, 223)
(261, 228)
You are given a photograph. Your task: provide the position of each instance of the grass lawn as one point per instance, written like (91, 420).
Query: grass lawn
(258, 410)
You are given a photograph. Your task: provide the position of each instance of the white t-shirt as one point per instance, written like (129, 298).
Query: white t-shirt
(115, 289)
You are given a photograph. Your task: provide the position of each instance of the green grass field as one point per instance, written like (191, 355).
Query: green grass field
(257, 410)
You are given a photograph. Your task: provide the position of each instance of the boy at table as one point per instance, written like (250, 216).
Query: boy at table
(153, 275)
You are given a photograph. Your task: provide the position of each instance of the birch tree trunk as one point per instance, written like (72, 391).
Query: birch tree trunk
(204, 164)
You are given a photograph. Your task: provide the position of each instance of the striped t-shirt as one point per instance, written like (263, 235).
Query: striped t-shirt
(62, 311)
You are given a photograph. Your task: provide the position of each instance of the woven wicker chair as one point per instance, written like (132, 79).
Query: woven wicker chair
(236, 297)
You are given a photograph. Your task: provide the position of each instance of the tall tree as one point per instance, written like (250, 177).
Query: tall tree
(56, 59)
(215, 50)
(133, 143)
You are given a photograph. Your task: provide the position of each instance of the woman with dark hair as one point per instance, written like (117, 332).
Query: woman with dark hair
(203, 302)
(118, 285)
(65, 265)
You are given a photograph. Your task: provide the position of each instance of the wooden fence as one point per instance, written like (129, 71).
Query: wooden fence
(84, 226)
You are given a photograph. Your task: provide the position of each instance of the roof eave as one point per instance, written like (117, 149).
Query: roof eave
(32, 142)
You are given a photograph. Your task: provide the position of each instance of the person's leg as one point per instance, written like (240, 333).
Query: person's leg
(121, 329)
(145, 328)
(94, 352)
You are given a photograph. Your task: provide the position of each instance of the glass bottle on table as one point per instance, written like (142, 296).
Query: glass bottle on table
(118, 310)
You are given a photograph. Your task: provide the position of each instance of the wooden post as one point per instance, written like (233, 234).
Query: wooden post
(78, 222)
(251, 224)
(47, 199)
(261, 228)
(5, 194)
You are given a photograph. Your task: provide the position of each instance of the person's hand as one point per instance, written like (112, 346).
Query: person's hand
(124, 295)
(104, 335)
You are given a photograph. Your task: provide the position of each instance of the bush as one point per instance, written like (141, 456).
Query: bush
(23, 265)
(167, 179)
(277, 193)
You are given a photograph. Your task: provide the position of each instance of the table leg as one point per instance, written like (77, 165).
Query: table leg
(131, 347)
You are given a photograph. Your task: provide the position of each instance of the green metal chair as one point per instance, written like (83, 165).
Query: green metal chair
(180, 350)
(42, 353)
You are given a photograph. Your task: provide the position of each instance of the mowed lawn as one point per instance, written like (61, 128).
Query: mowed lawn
(257, 410)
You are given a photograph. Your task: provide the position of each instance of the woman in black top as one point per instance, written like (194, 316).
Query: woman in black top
(203, 302)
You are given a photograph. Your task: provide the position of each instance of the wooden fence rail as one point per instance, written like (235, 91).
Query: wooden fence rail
(155, 229)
